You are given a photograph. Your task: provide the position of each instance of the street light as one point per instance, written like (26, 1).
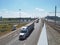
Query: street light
(55, 14)
(19, 14)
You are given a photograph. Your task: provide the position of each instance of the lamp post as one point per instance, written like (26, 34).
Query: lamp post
(19, 15)
(55, 14)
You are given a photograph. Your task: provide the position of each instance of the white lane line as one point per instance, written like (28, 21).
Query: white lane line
(12, 41)
(43, 37)
(15, 35)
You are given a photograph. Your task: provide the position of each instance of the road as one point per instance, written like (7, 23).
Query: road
(53, 36)
(31, 40)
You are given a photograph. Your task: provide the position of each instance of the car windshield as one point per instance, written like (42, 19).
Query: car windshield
(23, 31)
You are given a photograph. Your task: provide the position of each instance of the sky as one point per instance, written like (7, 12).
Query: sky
(29, 8)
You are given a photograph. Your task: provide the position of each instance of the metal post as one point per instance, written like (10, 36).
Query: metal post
(19, 15)
(55, 14)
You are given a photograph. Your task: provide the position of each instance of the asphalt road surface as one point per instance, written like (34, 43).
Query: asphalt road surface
(31, 40)
(53, 36)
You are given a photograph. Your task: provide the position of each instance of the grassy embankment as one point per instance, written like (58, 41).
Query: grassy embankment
(6, 28)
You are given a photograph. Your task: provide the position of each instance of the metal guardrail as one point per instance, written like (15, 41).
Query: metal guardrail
(43, 37)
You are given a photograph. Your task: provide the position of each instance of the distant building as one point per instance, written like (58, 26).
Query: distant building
(26, 19)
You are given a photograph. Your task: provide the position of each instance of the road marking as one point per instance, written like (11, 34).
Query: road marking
(15, 35)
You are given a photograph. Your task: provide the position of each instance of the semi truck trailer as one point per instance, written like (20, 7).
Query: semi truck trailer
(26, 31)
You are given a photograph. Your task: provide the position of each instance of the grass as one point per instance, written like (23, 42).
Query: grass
(19, 25)
(6, 28)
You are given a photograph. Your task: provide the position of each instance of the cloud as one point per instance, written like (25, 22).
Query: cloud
(53, 14)
(25, 14)
(39, 12)
(13, 14)
(42, 13)
(39, 9)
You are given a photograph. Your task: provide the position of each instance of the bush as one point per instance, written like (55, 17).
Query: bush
(3, 30)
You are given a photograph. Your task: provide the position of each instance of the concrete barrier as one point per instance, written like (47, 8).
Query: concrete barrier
(43, 37)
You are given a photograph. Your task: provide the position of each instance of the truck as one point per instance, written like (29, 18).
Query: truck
(14, 27)
(26, 31)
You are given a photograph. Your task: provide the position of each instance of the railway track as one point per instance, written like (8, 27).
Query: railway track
(54, 26)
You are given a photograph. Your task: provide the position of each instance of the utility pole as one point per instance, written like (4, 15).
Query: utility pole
(55, 14)
(19, 15)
